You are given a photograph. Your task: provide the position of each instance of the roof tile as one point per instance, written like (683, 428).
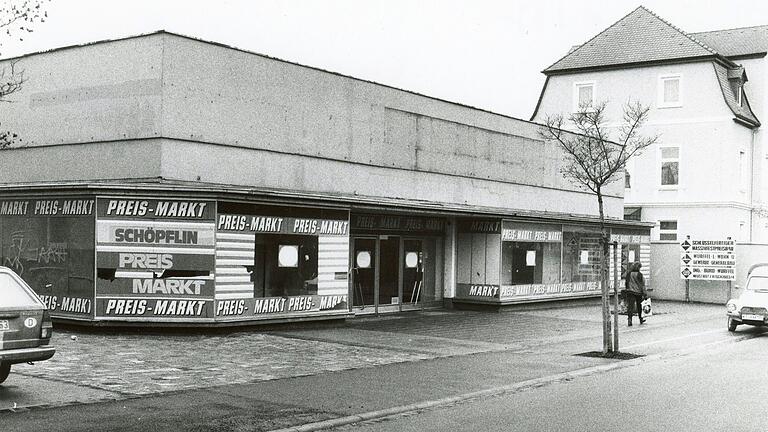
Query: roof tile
(736, 42)
(641, 36)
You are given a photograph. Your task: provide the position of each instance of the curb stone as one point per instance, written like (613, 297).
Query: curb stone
(502, 390)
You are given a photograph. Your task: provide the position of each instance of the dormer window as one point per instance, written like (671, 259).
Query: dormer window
(670, 91)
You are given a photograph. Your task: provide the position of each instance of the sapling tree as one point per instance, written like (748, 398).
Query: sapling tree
(17, 19)
(596, 155)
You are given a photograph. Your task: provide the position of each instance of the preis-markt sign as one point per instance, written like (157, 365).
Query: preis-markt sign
(707, 259)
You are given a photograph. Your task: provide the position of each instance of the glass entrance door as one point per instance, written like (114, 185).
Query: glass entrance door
(376, 273)
(421, 271)
(389, 272)
(392, 273)
(364, 272)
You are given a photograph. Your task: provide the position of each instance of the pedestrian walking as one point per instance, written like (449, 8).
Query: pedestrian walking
(634, 292)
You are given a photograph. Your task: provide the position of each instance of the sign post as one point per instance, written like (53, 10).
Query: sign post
(707, 260)
(615, 298)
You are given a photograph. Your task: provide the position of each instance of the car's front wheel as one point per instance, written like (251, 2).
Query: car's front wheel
(732, 324)
(5, 369)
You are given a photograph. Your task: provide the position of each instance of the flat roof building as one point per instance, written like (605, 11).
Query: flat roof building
(167, 179)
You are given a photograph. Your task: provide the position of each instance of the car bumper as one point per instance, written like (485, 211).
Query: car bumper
(23, 355)
(736, 316)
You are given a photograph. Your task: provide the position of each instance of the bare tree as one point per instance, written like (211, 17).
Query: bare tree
(595, 159)
(17, 17)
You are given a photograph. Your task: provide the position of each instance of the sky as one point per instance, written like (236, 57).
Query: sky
(484, 53)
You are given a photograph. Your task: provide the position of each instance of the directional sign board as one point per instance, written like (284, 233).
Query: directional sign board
(707, 259)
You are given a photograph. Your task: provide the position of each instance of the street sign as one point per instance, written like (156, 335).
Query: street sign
(708, 259)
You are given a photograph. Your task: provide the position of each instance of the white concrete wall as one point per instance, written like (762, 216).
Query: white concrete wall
(669, 285)
(230, 117)
(409, 145)
(101, 92)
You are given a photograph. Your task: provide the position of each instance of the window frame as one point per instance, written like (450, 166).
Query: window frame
(669, 231)
(662, 160)
(576, 87)
(661, 103)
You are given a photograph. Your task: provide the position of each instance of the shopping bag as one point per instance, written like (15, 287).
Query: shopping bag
(647, 307)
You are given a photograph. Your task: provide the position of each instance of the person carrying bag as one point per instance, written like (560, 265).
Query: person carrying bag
(634, 285)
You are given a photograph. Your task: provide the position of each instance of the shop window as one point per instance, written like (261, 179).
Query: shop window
(530, 263)
(54, 255)
(668, 230)
(670, 94)
(670, 166)
(581, 256)
(478, 258)
(285, 265)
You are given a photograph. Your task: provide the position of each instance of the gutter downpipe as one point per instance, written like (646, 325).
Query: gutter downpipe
(752, 185)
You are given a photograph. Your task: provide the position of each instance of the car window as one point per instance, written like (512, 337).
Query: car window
(758, 284)
(12, 294)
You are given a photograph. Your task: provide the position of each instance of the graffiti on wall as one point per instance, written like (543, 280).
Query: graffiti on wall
(24, 253)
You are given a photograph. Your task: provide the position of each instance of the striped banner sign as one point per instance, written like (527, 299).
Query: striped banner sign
(332, 265)
(234, 253)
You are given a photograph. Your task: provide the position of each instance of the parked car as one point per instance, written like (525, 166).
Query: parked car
(25, 324)
(752, 305)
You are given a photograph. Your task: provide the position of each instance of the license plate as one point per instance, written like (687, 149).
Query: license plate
(752, 317)
(4, 325)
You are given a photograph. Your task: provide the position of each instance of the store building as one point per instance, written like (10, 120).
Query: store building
(169, 180)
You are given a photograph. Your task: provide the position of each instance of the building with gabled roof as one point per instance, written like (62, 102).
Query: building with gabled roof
(706, 175)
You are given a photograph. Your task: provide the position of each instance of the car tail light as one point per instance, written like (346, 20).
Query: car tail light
(46, 329)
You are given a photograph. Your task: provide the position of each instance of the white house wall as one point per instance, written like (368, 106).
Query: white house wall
(703, 129)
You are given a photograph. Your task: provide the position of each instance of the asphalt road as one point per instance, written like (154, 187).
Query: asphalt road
(341, 372)
(721, 388)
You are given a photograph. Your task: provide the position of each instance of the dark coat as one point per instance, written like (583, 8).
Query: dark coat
(635, 283)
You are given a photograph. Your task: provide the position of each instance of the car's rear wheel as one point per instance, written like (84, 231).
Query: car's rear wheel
(732, 324)
(5, 369)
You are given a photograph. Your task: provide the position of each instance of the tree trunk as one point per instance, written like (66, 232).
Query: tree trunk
(604, 288)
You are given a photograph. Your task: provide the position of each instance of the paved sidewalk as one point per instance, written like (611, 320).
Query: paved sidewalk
(429, 347)
(135, 364)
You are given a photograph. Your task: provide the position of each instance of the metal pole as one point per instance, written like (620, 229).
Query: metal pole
(615, 298)
(687, 291)
(607, 342)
